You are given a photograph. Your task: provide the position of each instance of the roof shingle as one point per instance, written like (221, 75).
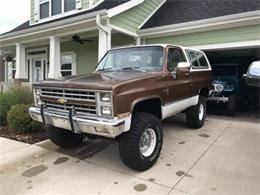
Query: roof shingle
(178, 11)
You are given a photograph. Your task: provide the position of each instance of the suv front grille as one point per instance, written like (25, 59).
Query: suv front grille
(69, 94)
(79, 109)
(83, 102)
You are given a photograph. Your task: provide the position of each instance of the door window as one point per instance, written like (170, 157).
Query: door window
(38, 75)
(175, 56)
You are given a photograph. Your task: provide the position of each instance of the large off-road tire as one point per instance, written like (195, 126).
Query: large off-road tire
(64, 138)
(231, 105)
(196, 115)
(140, 147)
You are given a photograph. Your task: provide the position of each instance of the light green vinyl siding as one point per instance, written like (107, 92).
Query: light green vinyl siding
(32, 11)
(87, 54)
(133, 18)
(245, 33)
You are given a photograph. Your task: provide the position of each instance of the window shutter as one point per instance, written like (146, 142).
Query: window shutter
(78, 4)
(36, 10)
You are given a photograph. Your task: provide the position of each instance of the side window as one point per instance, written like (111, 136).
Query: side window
(202, 60)
(193, 59)
(175, 56)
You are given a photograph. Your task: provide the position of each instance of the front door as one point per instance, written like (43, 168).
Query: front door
(38, 70)
(180, 85)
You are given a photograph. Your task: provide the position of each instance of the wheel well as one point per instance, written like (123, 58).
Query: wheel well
(152, 106)
(204, 92)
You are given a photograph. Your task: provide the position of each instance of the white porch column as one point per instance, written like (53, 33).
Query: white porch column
(21, 67)
(104, 43)
(55, 58)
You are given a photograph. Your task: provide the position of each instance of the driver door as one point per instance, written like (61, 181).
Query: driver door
(181, 83)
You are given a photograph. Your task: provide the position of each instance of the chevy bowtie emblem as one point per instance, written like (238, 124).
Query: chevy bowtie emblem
(62, 101)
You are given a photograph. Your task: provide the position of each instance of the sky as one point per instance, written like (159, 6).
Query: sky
(13, 13)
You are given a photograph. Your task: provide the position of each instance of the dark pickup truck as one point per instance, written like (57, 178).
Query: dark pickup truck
(125, 98)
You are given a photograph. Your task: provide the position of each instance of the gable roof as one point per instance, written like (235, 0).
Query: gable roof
(105, 5)
(180, 11)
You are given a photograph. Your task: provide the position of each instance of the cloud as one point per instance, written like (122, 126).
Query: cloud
(13, 13)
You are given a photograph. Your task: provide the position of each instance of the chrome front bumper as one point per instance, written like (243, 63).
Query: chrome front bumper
(81, 124)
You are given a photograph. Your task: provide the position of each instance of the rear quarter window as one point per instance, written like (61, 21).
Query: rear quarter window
(197, 59)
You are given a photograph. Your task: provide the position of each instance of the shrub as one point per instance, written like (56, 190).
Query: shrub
(19, 119)
(15, 95)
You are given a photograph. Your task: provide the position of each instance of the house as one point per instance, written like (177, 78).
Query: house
(67, 37)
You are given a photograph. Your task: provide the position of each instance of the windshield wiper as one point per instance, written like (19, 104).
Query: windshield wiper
(133, 68)
(107, 70)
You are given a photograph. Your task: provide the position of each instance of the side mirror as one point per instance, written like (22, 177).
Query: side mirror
(183, 65)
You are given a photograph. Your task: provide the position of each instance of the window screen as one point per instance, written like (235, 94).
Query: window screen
(56, 7)
(44, 10)
(69, 5)
(174, 57)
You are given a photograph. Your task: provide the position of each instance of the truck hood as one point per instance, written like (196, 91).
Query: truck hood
(95, 81)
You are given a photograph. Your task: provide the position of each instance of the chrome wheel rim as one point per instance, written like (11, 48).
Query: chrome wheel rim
(147, 142)
(201, 112)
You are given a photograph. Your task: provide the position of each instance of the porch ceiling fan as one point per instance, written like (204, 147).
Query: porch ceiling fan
(77, 39)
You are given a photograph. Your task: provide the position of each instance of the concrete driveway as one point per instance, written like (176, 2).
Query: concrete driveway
(221, 158)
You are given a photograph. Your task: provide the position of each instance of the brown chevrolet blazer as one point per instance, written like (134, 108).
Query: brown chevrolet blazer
(125, 98)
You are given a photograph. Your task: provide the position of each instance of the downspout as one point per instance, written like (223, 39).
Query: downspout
(107, 31)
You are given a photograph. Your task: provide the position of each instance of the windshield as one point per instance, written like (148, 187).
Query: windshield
(136, 58)
(224, 70)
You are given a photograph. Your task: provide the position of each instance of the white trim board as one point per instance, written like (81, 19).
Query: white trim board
(233, 45)
(123, 7)
(52, 26)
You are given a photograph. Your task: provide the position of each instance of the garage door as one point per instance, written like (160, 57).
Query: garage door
(229, 65)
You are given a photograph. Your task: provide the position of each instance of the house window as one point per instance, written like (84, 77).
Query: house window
(13, 69)
(69, 5)
(56, 7)
(67, 64)
(44, 9)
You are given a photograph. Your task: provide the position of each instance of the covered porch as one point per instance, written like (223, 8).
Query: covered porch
(53, 52)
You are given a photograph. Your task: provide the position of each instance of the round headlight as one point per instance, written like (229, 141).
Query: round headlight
(219, 87)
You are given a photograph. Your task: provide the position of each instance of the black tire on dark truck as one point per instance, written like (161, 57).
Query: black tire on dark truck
(196, 115)
(231, 105)
(64, 138)
(140, 147)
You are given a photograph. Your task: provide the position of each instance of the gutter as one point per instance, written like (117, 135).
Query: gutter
(102, 27)
(41, 28)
